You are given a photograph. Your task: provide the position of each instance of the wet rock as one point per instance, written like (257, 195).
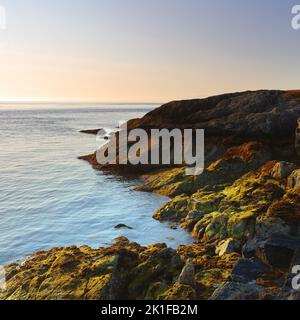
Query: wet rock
(228, 246)
(187, 276)
(122, 226)
(94, 131)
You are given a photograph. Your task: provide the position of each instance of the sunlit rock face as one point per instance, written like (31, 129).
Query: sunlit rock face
(243, 212)
(229, 120)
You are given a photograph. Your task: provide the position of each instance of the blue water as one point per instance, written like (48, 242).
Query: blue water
(49, 198)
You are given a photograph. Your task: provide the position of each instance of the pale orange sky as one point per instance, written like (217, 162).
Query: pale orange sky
(144, 51)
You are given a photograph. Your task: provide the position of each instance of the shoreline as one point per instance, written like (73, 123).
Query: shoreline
(243, 213)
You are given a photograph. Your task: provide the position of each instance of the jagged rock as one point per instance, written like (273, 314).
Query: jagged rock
(124, 270)
(283, 169)
(277, 251)
(294, 179)
(229, 120)
(162, 264)
(297, 140)
(191, 219)
(211, 227)
(187, 276)
(249, 248)
(210, 270)
(258, 113)
(267, 225)
(228, 246)
(179, 292)
(175, 210)
(248, 270)
(238, 291)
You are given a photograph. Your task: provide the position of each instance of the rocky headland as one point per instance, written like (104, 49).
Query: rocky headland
(243, 211)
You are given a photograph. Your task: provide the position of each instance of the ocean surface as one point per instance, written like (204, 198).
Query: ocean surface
(49, 198)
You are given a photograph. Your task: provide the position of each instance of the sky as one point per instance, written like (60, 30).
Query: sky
(145, 50)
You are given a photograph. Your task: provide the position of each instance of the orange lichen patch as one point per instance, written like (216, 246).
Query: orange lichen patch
(287, 209)
(210, 270)
(204, 257)
(269, 294)
(268, 167)
(269, 280)
(246, 152)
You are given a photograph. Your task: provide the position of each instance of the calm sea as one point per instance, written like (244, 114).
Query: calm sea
(49, 198)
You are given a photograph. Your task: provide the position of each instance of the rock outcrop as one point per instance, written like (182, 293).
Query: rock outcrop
(243, 211)
(229, 120)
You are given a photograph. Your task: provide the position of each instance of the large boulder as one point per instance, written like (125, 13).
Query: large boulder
(228, 246)
(238, 291)
(277, 251)
(187, 276)
(242, 283)
(248, 270)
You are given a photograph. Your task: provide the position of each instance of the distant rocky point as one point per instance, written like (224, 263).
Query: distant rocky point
(229, 120)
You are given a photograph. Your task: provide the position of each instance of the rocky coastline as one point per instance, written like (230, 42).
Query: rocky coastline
(243, 211)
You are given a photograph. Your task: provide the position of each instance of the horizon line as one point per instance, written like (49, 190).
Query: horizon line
(75, 102)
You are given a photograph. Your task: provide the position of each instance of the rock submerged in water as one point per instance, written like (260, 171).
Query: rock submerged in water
(123, 226)
(94, 131)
